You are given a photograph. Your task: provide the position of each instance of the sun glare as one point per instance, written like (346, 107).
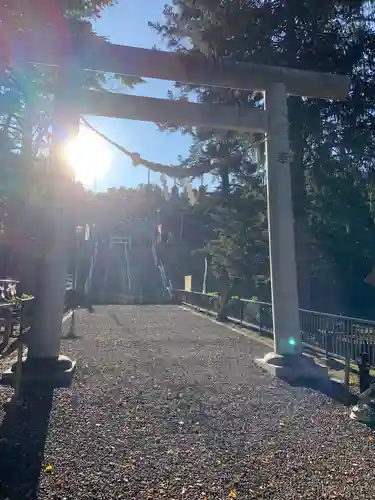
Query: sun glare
(89, 156)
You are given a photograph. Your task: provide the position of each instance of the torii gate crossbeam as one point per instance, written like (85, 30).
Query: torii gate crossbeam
(101, 56)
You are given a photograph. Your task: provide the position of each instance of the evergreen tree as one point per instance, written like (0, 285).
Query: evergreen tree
(26, 106)
(331, 143)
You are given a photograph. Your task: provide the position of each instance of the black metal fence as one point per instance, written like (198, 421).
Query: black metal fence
(336, 336)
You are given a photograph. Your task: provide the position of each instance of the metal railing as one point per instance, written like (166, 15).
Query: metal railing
(94, 258)
(167, 285)
(17, 315)
(128, 268)
(337, 336)
(15, 326)
(155, 257)
(163, 276)
(14, 323)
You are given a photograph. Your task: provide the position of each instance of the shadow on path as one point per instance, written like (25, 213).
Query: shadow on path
(330, 388)
(23, 435)
(113, 316)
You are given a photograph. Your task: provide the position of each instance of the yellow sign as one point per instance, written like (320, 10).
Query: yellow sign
(188, 283)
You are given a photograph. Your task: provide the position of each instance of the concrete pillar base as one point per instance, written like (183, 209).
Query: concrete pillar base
(292, 367)
(332, 363)
(56, 372)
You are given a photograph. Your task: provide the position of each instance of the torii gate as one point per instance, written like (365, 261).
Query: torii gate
(277, 82)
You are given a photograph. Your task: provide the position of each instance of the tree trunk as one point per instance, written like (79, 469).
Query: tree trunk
(224, 295)
(301, 226)
(297, 144)
(204, 286)
(224, 174)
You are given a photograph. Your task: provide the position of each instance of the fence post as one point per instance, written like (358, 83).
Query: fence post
(347, 371)
(18, 375)
(259, 317)
(364, 372)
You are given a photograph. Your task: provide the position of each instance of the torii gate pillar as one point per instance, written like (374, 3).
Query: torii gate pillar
(286, 360)
(44, 363)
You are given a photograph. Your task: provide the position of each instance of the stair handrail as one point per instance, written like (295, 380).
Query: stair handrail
(164, 279)
(94, 257)
(127, 267)
(159, 264)
(154, 254)
(162, 273)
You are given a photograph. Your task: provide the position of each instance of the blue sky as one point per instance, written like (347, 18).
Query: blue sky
(126, 24)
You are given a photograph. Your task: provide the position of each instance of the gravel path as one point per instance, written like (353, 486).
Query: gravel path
(168, 405)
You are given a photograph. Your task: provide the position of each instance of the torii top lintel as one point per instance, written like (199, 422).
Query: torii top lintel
(191, 69)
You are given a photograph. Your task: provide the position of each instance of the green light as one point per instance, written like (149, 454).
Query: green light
(292, 341)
